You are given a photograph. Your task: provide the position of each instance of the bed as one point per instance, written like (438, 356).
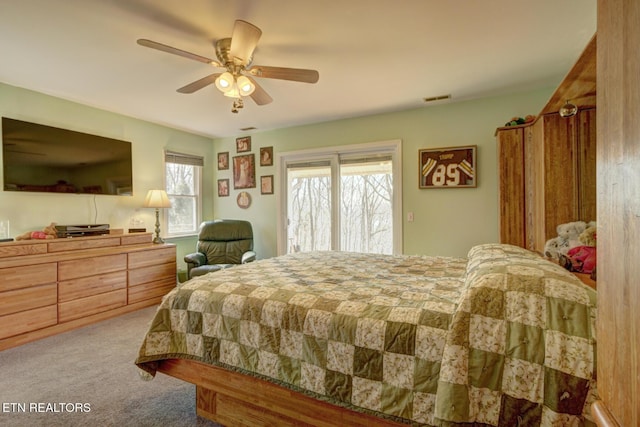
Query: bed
(500, 338)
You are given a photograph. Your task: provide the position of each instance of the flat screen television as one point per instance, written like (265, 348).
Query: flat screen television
(42, 158)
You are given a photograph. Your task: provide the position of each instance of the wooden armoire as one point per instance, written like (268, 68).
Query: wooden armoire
(547, 168)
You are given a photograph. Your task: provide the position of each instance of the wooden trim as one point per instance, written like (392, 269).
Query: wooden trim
(602, 416)
(231, 398)
(579, 85)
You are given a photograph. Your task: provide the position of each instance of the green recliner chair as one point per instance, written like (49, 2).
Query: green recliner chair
(222, 243)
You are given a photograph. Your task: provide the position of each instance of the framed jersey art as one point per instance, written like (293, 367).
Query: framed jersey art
(453, 167)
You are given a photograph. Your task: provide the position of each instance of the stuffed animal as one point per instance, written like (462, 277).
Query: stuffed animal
(49, 232)
(555, 247)
(569, 236)
(588, 236)
(570, 232)
(581, 259)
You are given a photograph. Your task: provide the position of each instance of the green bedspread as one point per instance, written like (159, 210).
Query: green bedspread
(503, 338)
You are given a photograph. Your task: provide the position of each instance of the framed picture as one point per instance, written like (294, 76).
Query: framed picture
(244, 171)
(453, 167)
(223, 187)
(243, 144)
(243, 200)
(266, 156)
(266, 184)
(223, 161)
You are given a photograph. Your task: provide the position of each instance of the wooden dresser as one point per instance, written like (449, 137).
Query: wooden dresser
(52, 286)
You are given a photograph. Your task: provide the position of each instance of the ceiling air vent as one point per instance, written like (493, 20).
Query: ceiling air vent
(249, 128)
(437, 98)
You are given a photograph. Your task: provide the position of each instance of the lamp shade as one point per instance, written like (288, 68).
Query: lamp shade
(225, 81)
(157, 199)
(245, 86)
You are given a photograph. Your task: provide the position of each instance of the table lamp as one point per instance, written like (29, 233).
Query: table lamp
(157, 199)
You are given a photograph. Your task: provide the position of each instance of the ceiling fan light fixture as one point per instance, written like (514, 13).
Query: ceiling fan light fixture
(225, 82)
(245, 86)
(233, 92)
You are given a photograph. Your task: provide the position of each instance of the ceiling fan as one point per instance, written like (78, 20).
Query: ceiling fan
(235, 54)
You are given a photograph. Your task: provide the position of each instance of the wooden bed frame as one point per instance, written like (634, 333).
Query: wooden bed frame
(233, 399)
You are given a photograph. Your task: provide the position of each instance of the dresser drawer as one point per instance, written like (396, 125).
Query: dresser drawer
(27, 321)
(27, 298)
(26, 276)
(152, 273)
(87, 286)
(155, 289)
(82, 307)
(61, 245)
(152, 257)
(91, 266)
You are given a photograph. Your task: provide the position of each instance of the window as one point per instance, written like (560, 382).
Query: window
(347, 199)
(183, 174)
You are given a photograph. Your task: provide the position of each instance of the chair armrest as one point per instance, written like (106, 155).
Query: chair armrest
(195, 259)
(248, 257)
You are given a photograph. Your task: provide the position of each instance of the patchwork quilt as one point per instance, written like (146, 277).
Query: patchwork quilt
(502, 338)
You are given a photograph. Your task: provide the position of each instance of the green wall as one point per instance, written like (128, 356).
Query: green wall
(446, 221)
(32, 211)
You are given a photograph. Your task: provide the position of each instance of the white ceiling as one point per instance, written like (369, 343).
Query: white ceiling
(373, 56)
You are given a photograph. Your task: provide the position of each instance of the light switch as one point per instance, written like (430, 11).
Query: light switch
(410, 217)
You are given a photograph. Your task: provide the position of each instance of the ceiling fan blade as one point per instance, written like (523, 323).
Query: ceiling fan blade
(176, 51)
(243, 41)
(199, 84)
(259, 95)
(293, 74)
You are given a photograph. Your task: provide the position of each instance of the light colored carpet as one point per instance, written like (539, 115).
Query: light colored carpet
(94, 368)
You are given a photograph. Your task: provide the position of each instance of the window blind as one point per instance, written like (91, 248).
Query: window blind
(183, 159)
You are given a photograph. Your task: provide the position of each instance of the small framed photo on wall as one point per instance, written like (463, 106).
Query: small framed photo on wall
(453, 167)
(266, 184)
(266, 156)
(244, 171)
(243, 144)
(223, 161)
(223, 187)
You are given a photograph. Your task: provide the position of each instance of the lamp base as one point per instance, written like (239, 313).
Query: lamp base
(158, 239)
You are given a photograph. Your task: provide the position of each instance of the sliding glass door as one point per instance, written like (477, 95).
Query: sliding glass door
(344, 200)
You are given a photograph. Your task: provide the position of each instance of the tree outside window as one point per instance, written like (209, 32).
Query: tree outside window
(183, 179)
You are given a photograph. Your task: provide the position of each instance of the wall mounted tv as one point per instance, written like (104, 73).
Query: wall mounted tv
(47, 159)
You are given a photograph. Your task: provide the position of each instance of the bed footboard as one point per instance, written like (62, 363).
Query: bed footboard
(231, 399)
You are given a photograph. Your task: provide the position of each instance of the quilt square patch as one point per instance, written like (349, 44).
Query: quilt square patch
(400, 338)
(485, 369)
(426, 376)
(527, 308)
(523, 380)
(398, 370)
(525, 342)
(370, 333)
(563, 392)
(486, 333)
(343, 328)
(367, 363)
(522, 412)
(340, 357)
(338, 385)
(366, 393)
(397, 401)
(430, 343)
